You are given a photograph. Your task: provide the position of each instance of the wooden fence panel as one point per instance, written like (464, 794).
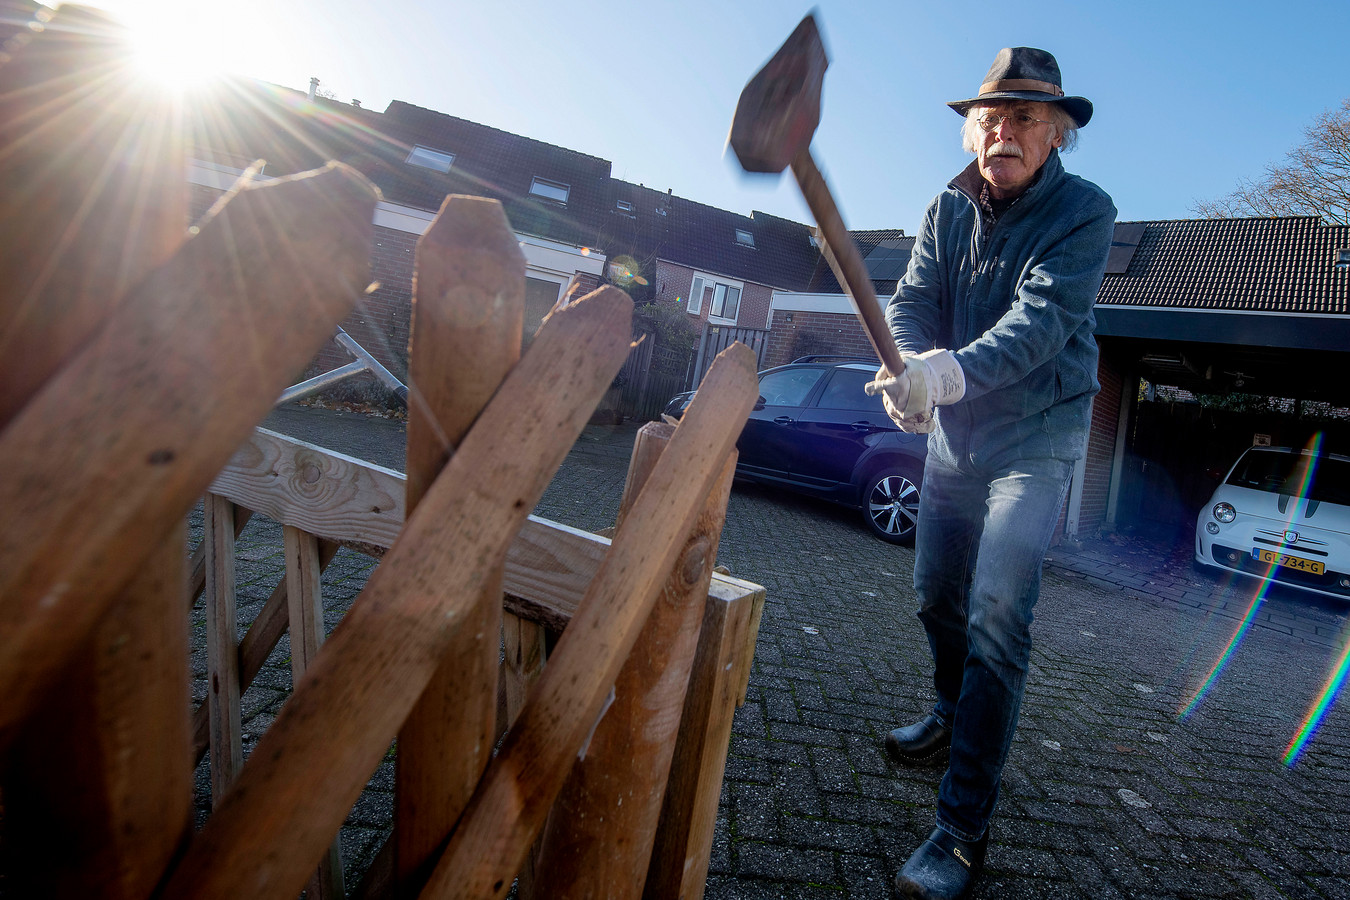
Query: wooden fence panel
(717, 338)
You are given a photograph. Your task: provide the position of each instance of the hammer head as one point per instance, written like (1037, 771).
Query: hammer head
(780, 107)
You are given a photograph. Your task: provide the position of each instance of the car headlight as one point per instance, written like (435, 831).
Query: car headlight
(1224, 512)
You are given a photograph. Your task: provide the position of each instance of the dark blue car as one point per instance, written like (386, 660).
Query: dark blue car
(816, 432)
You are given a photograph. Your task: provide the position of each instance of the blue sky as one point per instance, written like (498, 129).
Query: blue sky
(1190, 97)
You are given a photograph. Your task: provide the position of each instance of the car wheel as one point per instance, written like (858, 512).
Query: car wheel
(891, 506)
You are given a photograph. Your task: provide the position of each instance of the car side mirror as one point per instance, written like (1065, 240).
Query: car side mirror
(760, 403)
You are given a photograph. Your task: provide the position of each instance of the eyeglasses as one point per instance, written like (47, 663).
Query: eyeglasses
(1018, 121)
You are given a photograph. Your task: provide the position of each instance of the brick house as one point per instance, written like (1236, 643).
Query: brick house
(554, 198)
(1200, 305)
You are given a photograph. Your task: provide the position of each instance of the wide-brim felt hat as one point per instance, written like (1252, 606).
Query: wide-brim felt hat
(1025, 73)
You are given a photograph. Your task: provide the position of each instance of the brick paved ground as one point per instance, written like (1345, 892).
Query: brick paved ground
(1109, 792)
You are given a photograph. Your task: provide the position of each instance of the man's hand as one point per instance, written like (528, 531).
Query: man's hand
(929, 379)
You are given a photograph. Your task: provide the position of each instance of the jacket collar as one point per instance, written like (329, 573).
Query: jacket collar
(970, 181)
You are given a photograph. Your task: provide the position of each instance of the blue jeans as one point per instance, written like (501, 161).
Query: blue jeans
(982, 536)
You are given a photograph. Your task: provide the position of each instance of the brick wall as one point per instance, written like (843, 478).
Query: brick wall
(380, 320)
(811, 333)
(673, 282)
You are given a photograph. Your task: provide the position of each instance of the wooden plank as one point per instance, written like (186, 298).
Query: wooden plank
(679, 860)
(197, 562)
(99, 793)
(160, 397)
(304, 600)
(222, 647)
(321, 491)
(508, 809)
(468, 314)
(524, 650)
(548, 566)
(310, 766)
(523, 659)
(82, 221)
(598, 840)
(254, 648)
(746, 657)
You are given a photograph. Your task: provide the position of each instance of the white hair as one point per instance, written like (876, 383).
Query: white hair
(1064, 125)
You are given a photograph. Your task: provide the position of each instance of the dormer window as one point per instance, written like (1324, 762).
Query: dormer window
(550, 190)
(744, 238)
(426, 158)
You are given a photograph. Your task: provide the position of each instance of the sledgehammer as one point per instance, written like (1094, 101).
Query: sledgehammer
(776, 116)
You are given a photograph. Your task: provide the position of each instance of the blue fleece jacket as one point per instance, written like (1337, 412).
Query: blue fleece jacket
(1012, 299)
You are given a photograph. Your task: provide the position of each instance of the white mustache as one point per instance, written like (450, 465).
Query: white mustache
(1001, 148)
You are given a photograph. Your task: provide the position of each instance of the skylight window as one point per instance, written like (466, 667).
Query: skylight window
(436, 160)
(744, 238)
(624, 206)
(1343, 259)
(549, 190)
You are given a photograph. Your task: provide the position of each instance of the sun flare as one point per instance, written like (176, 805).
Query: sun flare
(177, 44)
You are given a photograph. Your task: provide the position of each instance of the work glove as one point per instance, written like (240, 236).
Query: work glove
(929, 379)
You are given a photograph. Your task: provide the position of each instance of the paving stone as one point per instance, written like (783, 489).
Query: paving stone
(785, 863)
(811, 807)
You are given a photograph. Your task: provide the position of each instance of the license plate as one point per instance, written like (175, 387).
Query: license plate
(1310, 566)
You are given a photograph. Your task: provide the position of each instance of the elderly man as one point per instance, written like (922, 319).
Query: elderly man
(994, 319)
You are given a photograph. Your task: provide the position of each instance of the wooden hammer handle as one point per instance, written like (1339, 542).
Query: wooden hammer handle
(847, 263)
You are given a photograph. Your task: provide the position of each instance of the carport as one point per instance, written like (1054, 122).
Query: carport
(1226, 308)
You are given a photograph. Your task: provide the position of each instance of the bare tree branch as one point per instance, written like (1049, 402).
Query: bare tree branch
(1314, 179)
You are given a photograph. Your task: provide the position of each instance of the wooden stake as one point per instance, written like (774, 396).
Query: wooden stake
(305, 602)
(679, 859)
(311, 764)
(508, 809)
(99, 793)
(160, 397)
(222, 647)
(598, 840)
(468, 313)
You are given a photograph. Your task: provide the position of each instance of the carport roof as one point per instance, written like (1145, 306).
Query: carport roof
(1284, 265)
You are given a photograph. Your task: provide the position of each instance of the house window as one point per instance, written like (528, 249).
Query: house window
(541, 295)
(624, 206)
(1343, 259)
(549, 190)
(427, 158)
(744, 238)
(724, 299)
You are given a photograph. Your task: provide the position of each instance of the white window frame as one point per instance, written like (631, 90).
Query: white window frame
(540, 187)
(430, 158)
(700, 283)
(623, 206)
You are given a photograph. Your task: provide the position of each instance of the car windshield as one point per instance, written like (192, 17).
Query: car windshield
(1318, 478)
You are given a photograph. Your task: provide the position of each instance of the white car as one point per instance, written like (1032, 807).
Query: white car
(1281, 513)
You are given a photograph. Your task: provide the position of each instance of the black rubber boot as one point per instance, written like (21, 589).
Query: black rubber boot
(943, 868)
